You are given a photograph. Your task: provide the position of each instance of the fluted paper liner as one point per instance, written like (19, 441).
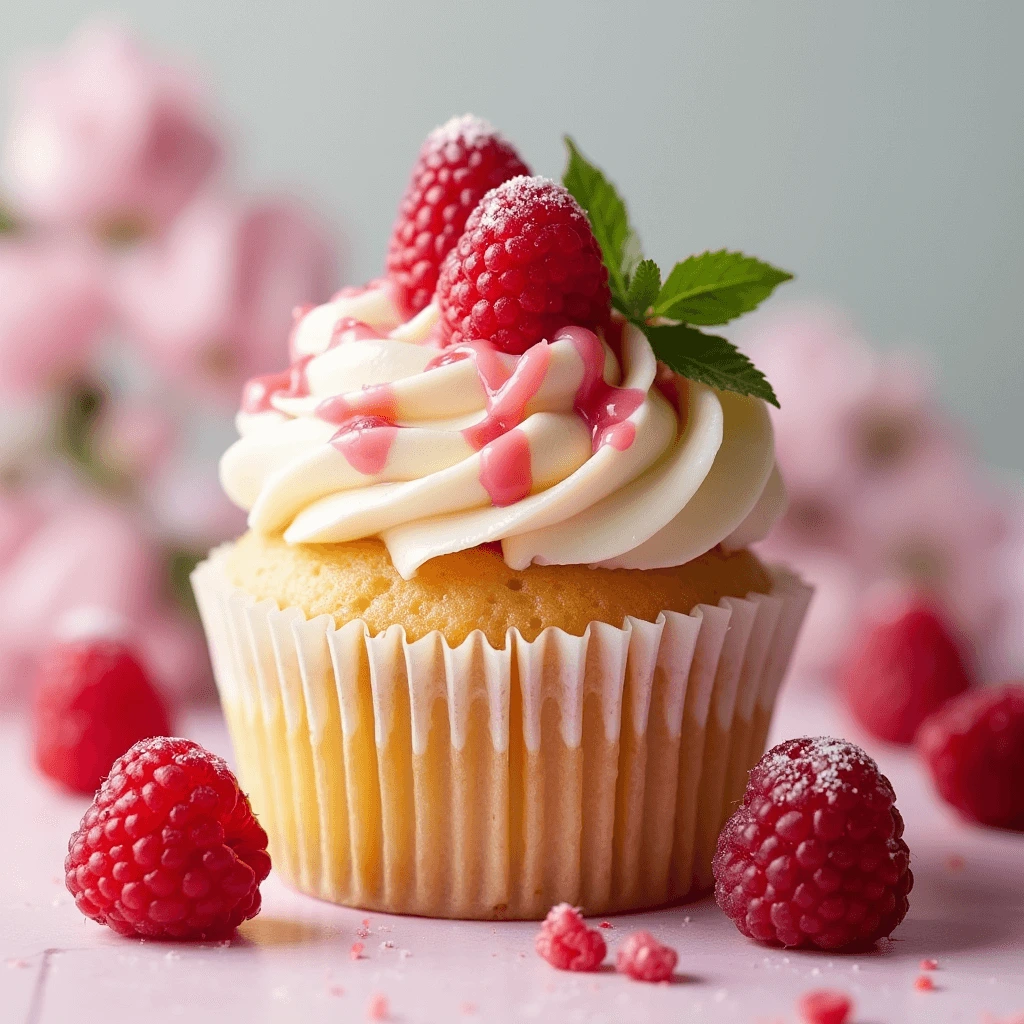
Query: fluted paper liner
(414, 777)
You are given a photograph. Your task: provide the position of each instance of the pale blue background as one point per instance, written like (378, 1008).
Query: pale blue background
(874, 148)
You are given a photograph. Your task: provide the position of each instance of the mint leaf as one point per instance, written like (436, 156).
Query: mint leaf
(709, 359)
(643, 289)
(716, 287)
(620, 247)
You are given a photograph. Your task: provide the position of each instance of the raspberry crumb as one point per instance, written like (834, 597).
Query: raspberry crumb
(929, 965)
(954, 862)
(606, 924)
(377, 1008)
(923, 983)
(567, 943)
(467, 1008)
(356, 952)
(824, 1006)
(644, 958)
(336, 990)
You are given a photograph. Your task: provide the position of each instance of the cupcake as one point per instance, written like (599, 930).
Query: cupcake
(495, 638)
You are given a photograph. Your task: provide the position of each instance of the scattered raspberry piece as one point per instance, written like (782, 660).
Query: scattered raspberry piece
(567, 943)
(974, 748)
(526, 265)
(900, 670)
(377, 1008)
(92, 701)
(814, 856)
(644, 958)
(955, 863)
(169, 847)
(824, 1006)
(457, 164)
(356, 952)
(924, 983)
(929, 965)
(606, 924)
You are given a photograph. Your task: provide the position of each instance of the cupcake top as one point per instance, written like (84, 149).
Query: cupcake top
(553, 395)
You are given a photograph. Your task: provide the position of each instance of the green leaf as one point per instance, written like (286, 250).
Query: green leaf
(7, 224)
(620, 247)
(643, 289)
(709, 359)
(716, 287)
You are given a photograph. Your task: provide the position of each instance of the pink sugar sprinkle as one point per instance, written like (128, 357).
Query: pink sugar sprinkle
(356, 952)
(923, 983)
(377, 1008)
(929, 965)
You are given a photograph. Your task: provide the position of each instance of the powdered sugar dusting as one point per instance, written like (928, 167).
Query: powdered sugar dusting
(833, 762)
(468, 129)
(518, 197)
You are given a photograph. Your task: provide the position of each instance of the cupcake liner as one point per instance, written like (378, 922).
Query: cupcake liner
(416, 777)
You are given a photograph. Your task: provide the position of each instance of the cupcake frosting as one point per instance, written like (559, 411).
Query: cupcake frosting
(581, 450)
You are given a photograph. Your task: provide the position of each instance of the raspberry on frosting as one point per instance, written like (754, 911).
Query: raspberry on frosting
(974, 748)
(170, 847)
(526, 265)
(814, 857)
(458, 163)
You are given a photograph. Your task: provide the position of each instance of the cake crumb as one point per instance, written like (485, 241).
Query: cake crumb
(387, 944)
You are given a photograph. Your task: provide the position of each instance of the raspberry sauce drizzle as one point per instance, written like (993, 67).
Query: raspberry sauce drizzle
(258, 393)
(505, 471)
(372, 400)
(604, 408)
(366, 443)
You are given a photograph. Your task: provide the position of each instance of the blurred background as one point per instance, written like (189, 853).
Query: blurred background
(178, 177)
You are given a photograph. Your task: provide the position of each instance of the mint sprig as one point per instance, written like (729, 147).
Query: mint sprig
(707, 289)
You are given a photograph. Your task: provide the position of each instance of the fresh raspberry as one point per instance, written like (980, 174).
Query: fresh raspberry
(644, 958)
(902, 669)
(92, 701)
(814, 855)
(567, 943)
(974, 748)
(458, 163)
(824, 1006)
(526, 265)
(169, 847)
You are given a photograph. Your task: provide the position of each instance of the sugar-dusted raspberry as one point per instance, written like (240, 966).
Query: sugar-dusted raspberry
(974, 748)
(814, 856)
(644, 958)
(903, 667)
(824, 1006)
(565, 941)
(526, 265)
(169, 847)
(92, 701)
(457, 164)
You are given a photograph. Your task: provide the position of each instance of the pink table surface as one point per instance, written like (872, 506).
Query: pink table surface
(292, 963)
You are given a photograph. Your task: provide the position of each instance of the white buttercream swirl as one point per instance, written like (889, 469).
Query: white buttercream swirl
(567, 454)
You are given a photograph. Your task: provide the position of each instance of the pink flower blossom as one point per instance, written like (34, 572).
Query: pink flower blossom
(212, 301)
(53, 310)
(103, 136)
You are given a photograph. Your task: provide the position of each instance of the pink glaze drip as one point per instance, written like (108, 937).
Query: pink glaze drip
(348, 328)
(373, 400)
(298, 314)
(258, 392)
(506, 406)
(366, 443)
(604, 408)
(492, 370)
(505, 471)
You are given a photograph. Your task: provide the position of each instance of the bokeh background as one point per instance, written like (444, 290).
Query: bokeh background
(177, 177)
(876, 149)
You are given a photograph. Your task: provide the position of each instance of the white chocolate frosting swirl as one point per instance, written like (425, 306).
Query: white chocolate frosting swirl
(582, 450)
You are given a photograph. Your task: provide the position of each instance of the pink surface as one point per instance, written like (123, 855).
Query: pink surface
(293, 964)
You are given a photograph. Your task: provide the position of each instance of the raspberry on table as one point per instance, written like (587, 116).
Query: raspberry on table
(900, 670)
(814, 856)
(526, 265)
(974, 749)
(644, 958)
(170, 847)
(457, 164)
(824, 1006)
(92, 701)
(565, 941)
